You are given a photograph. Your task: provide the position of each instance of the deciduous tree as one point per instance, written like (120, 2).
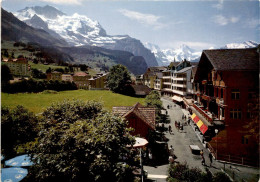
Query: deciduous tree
(18, 127)
(118, 78)
(81, 142)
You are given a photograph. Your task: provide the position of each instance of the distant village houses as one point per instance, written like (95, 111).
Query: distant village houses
(18, 67)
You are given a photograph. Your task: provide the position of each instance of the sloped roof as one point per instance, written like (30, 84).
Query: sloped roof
(80, 74)
(233, 59)
(147, 114)
(141, 89)
(184, 70)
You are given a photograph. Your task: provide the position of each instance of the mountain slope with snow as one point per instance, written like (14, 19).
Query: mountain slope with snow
(165, 56)
(79, 30)
(247, 44)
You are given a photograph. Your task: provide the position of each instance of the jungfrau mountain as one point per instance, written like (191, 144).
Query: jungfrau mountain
(79, 30)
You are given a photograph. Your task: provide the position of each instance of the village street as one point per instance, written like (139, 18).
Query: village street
(180, 140)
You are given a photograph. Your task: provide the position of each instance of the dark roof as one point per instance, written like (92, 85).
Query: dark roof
(141, 89)
(233, 59)
(174, 64)
(147, 114)
(194, 63)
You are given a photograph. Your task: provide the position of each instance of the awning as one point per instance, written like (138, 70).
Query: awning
(177, 98)
(203, 128)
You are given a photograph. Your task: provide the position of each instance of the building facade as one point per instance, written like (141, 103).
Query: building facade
(55, 75)
(18, 67)
(81, 79)
(98, 82)
(227, 96)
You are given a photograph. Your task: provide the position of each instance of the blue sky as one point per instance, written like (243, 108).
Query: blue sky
(199, 24)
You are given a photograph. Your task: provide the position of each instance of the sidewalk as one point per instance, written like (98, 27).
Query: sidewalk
(235, 171)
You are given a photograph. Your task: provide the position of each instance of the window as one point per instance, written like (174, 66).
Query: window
(217, 92)
(244, 140)
(235, 113)
(251, 94)
(221, 93)
(235, 94)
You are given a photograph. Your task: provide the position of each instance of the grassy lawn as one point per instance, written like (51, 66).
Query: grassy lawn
(43, 67)
(37, 102)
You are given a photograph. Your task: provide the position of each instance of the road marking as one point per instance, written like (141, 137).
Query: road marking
(156, 176)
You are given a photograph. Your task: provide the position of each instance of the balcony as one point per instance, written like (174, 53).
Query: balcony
(167, 89)
(220, 101)
(167, 83)
(207, 115)
(179, 92)
(166, 77)
(219, 83)
(180, 79)
(179, 85)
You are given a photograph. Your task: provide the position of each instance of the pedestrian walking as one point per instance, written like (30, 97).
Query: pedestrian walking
(203, 160)
(171, 159)
(201, 153)
(171, 151)
(170, 129)
(210, 158)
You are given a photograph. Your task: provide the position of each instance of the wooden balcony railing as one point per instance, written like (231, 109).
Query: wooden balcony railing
(203, 113)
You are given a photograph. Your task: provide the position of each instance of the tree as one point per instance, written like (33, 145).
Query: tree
(38, 74)
(154, 100)
(48, 70)
(6, 75)
(118, 78)
(80, 141)
(18, 127)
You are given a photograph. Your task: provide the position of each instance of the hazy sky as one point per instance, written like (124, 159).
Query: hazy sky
(199, 24)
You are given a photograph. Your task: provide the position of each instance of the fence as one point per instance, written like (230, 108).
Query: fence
(233, 159)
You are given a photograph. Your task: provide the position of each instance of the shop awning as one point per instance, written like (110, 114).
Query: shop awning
(177, 98)
(203, 128)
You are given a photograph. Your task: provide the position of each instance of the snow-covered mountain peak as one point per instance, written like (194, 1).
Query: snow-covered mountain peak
(165, 56)
(79, 30)
(47, 11)
(246, 44)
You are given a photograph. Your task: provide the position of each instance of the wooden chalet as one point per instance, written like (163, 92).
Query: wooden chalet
(141, 118)
(227, 98)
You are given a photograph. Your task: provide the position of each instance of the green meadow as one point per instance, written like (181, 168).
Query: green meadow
(37, 102)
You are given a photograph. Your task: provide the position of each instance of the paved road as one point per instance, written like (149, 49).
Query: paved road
(180, 140)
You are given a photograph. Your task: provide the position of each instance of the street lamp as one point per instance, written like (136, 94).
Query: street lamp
(216, 131)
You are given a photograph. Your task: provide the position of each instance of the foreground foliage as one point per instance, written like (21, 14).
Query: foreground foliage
(80, 141)
(182, 172)
(18, 126)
